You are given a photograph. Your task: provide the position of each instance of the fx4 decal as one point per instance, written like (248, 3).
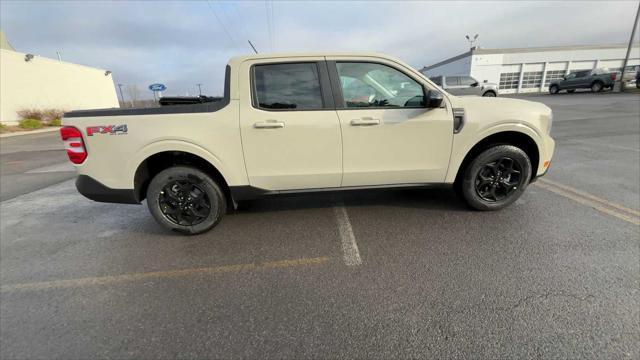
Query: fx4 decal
(107, 129)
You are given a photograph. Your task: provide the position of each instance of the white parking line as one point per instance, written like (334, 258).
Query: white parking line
(350, 250)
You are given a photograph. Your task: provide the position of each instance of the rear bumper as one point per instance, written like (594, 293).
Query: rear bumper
(96, 191)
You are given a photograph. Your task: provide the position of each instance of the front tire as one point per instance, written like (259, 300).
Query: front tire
(496, 178)
(554, 89)
(489, 94)
(186, 200)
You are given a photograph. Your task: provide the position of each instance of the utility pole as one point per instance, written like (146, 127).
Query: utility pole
(199, 89)
(253, 47)
(121, 96)
(626, 58)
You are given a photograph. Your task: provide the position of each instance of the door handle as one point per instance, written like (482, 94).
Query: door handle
(365, 122)
(268, 125)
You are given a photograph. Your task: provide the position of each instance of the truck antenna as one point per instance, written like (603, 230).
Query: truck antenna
(253, 47)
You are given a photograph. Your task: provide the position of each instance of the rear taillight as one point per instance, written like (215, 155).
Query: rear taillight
(613, 76)
(74, 144)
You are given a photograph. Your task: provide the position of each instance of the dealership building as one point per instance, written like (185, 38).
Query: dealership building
(521, 70)
(30, 81)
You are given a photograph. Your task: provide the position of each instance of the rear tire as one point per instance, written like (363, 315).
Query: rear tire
(186, 200)
(596, 87)
(489, 94)
(496, 178)
(554, 89)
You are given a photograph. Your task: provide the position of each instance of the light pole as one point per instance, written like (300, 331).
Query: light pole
(199, 89)
(472, 41)
(626, 58)
(121, 96)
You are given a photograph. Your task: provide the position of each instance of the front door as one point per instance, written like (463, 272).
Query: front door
(469, 86)
(569, 81)
(290, 130)
(389, 137)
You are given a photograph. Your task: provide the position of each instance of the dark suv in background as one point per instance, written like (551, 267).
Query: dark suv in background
(596, 80)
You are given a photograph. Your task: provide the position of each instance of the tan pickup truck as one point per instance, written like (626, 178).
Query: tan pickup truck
(308, 122)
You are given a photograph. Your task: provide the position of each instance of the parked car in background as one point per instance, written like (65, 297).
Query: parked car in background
(629, 73)
(596, 80)
(638, 78)
(465, 85)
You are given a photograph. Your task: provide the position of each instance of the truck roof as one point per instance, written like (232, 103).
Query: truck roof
(239, 59)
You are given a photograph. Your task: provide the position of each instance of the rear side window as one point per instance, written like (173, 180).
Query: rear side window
(293, 86)
(452, 80)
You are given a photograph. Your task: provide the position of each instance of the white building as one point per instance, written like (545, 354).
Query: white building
(531, 69)
(35, 82)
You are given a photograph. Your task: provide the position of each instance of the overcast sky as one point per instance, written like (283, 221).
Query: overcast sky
(183, 43)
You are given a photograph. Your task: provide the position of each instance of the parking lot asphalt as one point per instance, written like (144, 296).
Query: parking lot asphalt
(32, 162)
(369, 274)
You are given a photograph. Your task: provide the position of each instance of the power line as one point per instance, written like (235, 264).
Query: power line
(273, 23)
(268, 14)
(236, 14)
(221, 23)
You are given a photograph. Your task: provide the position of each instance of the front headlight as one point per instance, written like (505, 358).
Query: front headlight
(550, 123)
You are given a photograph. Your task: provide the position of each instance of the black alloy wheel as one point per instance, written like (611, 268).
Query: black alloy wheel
(498, 179)
(184, 202)
(185, 199)
(495, 178)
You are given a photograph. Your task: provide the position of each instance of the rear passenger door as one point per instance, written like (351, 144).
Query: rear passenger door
(290, 130)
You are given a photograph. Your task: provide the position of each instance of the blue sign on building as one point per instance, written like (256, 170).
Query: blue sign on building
(157, 87)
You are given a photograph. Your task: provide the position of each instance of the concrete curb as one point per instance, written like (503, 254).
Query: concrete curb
(39, 131)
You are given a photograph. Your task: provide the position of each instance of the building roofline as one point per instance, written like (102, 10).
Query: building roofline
(480, 51)
(449, 60)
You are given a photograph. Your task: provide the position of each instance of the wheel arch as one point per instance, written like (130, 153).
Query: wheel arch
(159, 161)
(509, 137)
(495, 93)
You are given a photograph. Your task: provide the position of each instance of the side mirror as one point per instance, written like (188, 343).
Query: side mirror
(474, 84)
(433, 99)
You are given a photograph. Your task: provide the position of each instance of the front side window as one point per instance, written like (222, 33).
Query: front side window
(287, 86)
(376, 85)
(437, 80)
(467, 80)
